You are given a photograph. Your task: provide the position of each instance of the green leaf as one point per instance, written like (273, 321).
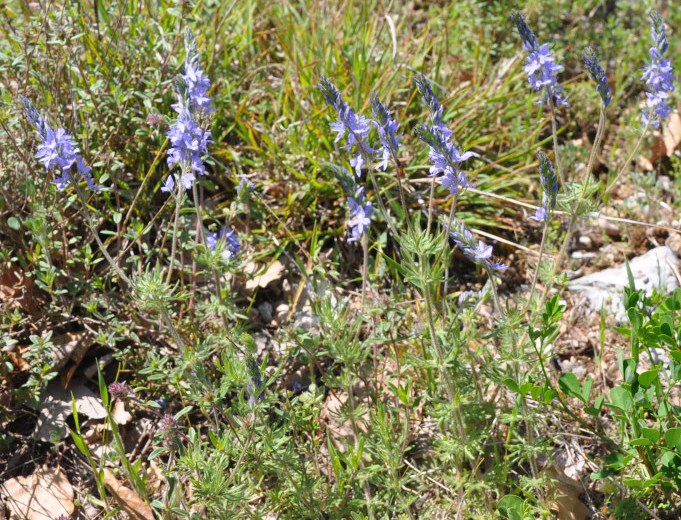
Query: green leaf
(511, 384)
(13, 223)
(569, 384)
(647, 378)
(672, 437)
(511, 506)
(641, 441)
(652, 434)
(621, 399)
(183, 412)
(630, 275)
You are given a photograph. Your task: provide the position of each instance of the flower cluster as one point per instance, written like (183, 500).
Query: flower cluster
(357, 128)
(57, 150)
(430, 99)
(549, 185)
(189, 141)
(360, 215)
(349, 122)
(120, 390)
(593, 67)
(444, 155)
(445, 158)
(254, 384)
(658, 75)
(387, 132)
(475, 250)
(540, 65)
(227, 240)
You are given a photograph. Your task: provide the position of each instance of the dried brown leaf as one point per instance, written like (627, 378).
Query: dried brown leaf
(130, 501)
(44, 495)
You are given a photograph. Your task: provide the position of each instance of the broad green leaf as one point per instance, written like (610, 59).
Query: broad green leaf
(621, 399)
(672, 437)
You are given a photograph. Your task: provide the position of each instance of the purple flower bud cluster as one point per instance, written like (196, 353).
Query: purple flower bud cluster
(349, 122)
(475, 250)
(120, 390)
(540, 66)
(445, 158)
(430, 99)
(549, 184)
(57, 150)
(387, 132)
(254, 384)
(357, 128)
(189, 140)
(361, 212)
(244, 187)
(658, 75)
(226, 240)
(593, 67)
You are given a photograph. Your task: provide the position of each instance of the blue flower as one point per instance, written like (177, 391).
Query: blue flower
(387, 132)
(445, 158)
(196, 82)
(349, 123)
(593, 67)
(549, 184)
(57, 150)
(168, 185)
(658, 75)
(540, 66)
(189, 141)
(475, 250)
(227, 240)
(360, 215)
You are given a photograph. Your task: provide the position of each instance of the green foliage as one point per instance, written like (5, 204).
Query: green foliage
(401, 405)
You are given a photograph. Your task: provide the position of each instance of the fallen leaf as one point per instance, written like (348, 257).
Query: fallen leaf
(273, 272)
(130, 501)
(56, 408)
(44, 495)
(667, 143)
(72, 345)
(119, 414)
(18, 290)
(564, 497)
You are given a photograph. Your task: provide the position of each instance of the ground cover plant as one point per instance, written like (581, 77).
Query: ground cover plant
(312, 260)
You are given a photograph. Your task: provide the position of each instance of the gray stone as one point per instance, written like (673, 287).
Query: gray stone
(657, 269)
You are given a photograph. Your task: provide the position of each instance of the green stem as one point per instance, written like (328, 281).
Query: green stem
(625, 166)
(178, 202)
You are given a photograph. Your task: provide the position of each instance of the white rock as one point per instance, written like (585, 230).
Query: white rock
(654, 270)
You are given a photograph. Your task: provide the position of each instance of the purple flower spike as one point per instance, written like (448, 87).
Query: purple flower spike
(475, 250)
(360, 215)
(227, 240)
(540, 65)
(549, 184)
(57, 150)
(658, 75)
(387, 132)
(350, 124)
(189, 141)
(593, 67)
(445, 158)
